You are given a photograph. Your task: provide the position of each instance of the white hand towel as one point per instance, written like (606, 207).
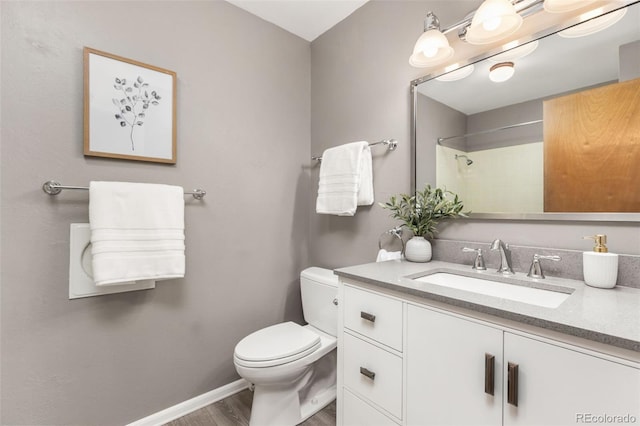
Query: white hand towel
(384, 255)
(137, 232)
(346, 179)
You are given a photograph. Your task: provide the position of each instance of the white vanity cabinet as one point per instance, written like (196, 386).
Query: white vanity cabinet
(402, 362)
(498, 377)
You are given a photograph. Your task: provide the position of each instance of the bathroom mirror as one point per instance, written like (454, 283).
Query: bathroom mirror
(490, 141)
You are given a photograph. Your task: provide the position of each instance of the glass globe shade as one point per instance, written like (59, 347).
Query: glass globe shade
(593, 25)
(432, 48)
(493, 21)
(562, 6)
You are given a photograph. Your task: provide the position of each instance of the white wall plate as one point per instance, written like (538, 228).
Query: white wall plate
(81, 282)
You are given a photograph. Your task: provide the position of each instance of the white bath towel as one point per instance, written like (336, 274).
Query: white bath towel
(137, 232)
(346, 179)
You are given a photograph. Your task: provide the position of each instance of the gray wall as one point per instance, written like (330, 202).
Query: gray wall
(360, 90)
(434, 120)
(243, 134)
(505, 116)
(629, 61)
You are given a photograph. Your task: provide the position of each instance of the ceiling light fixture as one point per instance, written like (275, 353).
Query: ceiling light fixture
(562, 6)
(501, 72)
(594, 25)
(458, 74)
(493, 21)
(432, 47)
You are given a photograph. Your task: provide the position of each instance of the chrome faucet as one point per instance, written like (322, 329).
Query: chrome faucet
(505, 257)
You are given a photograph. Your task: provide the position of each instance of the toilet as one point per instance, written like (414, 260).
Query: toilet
(293, 367)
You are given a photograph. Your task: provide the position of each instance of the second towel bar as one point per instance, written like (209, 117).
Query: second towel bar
(53, 187)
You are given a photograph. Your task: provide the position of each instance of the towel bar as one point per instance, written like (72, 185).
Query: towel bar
(392, 144)
(53, 187)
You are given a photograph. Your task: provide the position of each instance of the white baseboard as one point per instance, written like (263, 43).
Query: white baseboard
(165, 416)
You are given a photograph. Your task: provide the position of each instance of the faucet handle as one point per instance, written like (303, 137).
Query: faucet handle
(478, 263)
(535, 270)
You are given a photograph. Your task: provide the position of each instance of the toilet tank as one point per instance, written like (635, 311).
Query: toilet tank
(319, 289)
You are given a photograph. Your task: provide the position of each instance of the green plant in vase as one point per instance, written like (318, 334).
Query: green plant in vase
(421, 213)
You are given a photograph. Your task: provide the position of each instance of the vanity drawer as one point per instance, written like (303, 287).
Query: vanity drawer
(373, 373)
(375, 316)
(359, 413)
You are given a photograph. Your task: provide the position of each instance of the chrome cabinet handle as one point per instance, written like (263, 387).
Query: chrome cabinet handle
(535, 270)
(489, 365)
(512, 384)
(367, 373)
(478, 263)
(367, 316)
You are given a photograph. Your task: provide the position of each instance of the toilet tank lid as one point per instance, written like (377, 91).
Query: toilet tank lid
(322, 275)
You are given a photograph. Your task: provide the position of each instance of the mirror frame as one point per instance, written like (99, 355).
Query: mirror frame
(568, 216)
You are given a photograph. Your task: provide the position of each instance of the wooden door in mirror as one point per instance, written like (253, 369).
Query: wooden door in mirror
(592, 150)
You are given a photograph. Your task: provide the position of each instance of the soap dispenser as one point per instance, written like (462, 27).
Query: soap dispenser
(600, 267)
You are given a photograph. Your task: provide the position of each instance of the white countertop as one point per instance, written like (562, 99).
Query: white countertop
(610, 316)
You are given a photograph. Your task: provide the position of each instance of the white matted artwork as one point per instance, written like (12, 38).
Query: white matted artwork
(129, 109)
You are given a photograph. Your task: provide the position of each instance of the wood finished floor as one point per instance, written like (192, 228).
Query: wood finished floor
(236, 409)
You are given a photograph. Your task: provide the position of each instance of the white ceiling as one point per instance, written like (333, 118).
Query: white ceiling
(307, 19)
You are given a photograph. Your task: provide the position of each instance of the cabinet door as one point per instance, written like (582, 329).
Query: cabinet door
(560, 386)
(447, 370)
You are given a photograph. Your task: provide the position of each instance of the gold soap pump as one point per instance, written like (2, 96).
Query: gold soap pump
(601, 242)
(600, 268)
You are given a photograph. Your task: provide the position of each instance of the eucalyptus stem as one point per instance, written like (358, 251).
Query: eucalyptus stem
(422, 211)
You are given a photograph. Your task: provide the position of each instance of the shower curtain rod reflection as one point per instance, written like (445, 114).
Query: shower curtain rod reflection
(392, 144)
(482, 132)
(53, 187)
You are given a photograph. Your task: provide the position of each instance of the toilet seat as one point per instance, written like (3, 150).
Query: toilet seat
(276, 345)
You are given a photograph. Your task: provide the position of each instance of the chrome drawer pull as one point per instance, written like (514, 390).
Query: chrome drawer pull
(367, 373)
(367, 316)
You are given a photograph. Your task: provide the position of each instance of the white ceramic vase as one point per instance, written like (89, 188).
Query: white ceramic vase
(418, 249)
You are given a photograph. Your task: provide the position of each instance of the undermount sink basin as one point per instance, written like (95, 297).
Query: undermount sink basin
(518, 293)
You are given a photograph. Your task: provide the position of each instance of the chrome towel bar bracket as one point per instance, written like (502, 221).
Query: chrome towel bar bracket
(53, 187)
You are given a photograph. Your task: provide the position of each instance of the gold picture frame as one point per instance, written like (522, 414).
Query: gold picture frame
(129, 109)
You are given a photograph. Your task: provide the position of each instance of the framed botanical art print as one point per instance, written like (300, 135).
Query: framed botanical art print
(129, 109)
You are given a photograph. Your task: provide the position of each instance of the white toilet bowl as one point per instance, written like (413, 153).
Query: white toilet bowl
(293, 367)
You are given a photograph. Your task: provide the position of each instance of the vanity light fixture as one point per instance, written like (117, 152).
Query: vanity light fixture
(562, 6)
(458, 74)
(592, 26)
(501, 72)
(432, 47)
(493, 21)
(512, 54)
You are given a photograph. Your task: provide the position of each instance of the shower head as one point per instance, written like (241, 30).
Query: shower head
(469, 160)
